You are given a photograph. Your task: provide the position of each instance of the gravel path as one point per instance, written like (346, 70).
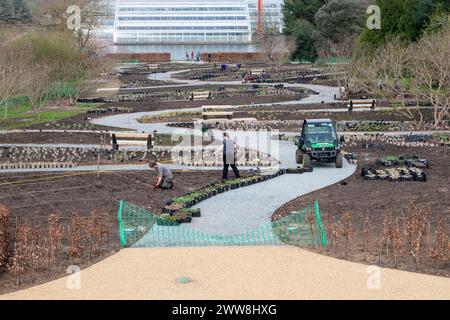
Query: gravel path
(240, 272)
(245, 209)
(224, 273)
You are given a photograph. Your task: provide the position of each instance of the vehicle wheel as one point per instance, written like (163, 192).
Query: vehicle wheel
(299, 156)
(306, 161)
(339, 160)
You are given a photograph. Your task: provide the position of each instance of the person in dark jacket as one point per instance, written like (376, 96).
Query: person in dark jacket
(229, 156)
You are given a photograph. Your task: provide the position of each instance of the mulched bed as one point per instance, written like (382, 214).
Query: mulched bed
(85, 194)
(378, 197)
(54, 137)
(149, 105)
(294, 113)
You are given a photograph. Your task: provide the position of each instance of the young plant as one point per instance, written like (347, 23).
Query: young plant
(385, 233)
(55, 235)
(395, 236)
(333, 230)
(4, 236)
(365, 218)
(75, 235)
(414, 230)
(440, 252)
(346, 229)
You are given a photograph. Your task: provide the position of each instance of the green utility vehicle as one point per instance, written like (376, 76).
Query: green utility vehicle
(318, 141)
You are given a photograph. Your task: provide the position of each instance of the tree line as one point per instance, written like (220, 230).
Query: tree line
(334, 27)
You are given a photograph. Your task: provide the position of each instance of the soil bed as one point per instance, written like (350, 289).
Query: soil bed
(149, 104)
(376, 198)
(54, 138)
(85, 194)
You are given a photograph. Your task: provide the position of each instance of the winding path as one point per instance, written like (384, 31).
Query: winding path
(247, 208)
(240, 272)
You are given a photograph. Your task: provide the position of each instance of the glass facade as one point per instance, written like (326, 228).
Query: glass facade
(187, 21)
(272, 13)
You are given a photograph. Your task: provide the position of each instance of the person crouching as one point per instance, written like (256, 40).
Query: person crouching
(164, 179)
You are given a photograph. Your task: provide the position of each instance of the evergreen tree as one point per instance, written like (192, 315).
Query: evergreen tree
(340, 20)
(405, 19)
(6, 11)
(21, 11)
(305, 36)
(294, 10)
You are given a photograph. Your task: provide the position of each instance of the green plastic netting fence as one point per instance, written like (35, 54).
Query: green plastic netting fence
(139, 228)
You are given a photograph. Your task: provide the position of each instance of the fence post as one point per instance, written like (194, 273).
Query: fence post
(123, 240)
(322, 233)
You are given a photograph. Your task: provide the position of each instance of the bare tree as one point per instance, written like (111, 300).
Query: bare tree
(55, 13)
(12, 75)
(36, 85)
(275, 47)
(430, 65)
(385, 74)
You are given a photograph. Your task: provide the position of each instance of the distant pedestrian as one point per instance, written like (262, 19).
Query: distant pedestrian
(164, 179)
(192, 55)
(198, 56)
(229, 156)
(187, 56)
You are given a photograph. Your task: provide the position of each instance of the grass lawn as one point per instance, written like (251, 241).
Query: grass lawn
(22, 115)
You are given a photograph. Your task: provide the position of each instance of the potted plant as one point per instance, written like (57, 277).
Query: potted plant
(166, 219)
(193, 212)
(170, 209)
(183, 217)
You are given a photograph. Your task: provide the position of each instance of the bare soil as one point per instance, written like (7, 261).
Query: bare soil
(35, 199)
(54, 138)
(380, 197)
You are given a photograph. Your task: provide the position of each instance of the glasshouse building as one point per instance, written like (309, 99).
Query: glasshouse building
(272, 14)
(187, 21)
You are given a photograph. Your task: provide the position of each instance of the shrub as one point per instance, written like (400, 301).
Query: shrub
(60, 90)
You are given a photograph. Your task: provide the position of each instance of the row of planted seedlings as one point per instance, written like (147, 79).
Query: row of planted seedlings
(380, 125)
(180, 210)
(402, 140)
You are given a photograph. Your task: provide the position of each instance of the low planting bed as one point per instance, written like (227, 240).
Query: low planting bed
(367, 126)
(408, 160)
(179, 210)
(399, 140)
(403, 226)
(81, 156)
(394, 174)
(79, 200)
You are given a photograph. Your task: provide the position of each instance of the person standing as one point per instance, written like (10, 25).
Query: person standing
(229, 156)
(193, 56)
(164, 179)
